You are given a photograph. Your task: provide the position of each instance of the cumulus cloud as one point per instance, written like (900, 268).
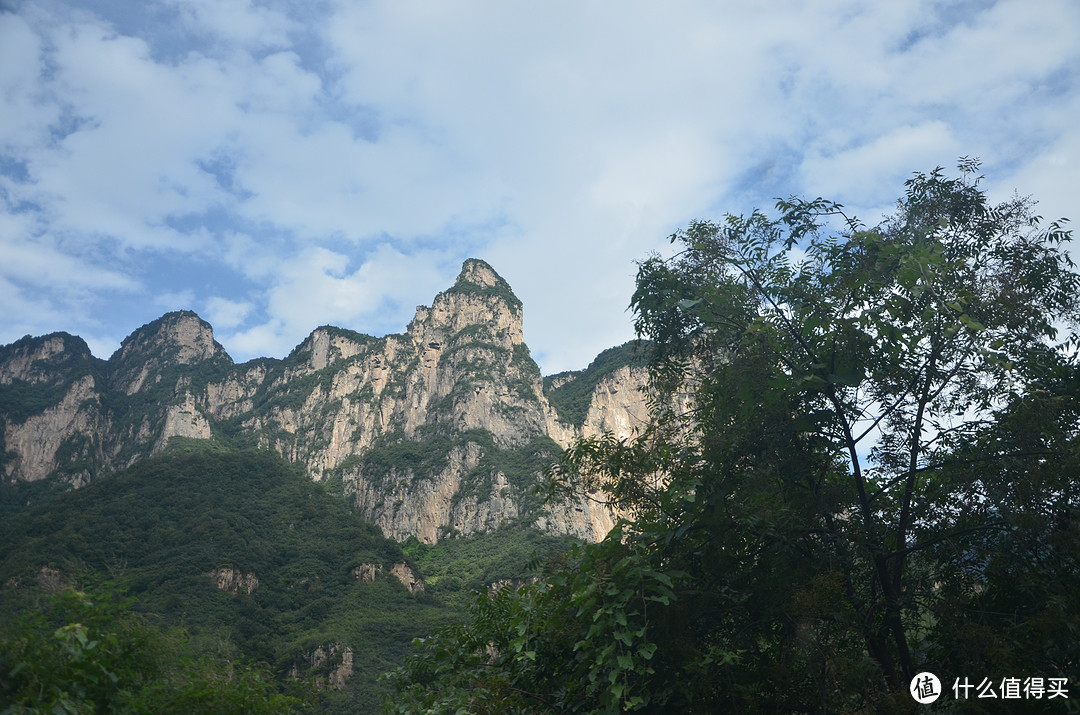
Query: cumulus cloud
(235, 22)
(319, 286)
(890, 156)
(297, 164)
(226, 314)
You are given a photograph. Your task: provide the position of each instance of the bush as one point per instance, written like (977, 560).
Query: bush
(86, 652)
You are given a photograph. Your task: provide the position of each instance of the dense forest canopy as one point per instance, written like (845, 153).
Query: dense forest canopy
(876, 476)
(112, 599)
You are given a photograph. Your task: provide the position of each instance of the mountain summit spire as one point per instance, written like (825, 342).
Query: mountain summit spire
(480, 301)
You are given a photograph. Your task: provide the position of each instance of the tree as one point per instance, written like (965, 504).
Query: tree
(861, 381)
(535, 649)
(87, 652)
(855, 432)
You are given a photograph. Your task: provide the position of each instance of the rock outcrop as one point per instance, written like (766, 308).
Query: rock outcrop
(403, 573)
(234, 581)
(331, 665)
(366, 573)
(441, 430)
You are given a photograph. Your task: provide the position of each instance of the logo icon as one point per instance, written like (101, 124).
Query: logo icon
(925, 688)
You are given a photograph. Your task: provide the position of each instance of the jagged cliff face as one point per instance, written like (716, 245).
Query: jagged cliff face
(441, 430)
(53, 418)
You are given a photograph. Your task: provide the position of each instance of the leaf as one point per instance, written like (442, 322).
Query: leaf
(849, 378)
(971, 323)
(687, 304)
(661, 577)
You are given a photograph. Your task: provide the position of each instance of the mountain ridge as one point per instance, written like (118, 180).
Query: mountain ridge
(458, 387)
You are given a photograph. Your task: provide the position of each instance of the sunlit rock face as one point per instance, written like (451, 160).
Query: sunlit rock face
(50, 410)
(235, 581)
(329, 666)
(442, 430)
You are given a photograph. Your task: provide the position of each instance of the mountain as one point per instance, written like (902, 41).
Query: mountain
(252, 561)
(442, 430)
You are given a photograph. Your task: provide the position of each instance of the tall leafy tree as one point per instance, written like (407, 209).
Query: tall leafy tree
(863, 437)
(859, 381)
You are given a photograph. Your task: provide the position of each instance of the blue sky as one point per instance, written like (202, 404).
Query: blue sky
(279, 165)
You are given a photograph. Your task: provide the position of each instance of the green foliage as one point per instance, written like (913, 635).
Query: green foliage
(351, 335)
(573, 394)
(534, 650)
(424, 459)
(456, 569)
(853, 381)
(167, 524)
(15, 497)
(522, 466)
(86, 652)
(1009, 598)
(528, 373)
(876, 476)
(522, 359)
(20, 400)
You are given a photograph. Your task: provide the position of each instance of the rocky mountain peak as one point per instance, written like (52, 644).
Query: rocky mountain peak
(480, 302)
(443, 430)
(479, 273)
(183, 336)
(328, 344)
(180, 338)
(36, 360)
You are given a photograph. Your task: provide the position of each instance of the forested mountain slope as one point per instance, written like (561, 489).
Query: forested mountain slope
(256, 562)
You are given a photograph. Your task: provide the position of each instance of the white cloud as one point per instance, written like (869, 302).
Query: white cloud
(319, 287)
(131, 162)
(25, 119)
(225, 314)
(343, 158)
(257, 259)
(25, 316)
(1048, 171)
(236, 21)
(256, 341)
(890, 158)
(43, 264)
(171, 301)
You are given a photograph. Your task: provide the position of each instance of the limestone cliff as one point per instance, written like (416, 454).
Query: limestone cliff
(52, 415)
(607, 396)
(441, 430)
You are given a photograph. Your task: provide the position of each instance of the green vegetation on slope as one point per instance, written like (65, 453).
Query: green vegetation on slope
(570, 392)
(163, 528)
(456, 569)
(86, 652)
